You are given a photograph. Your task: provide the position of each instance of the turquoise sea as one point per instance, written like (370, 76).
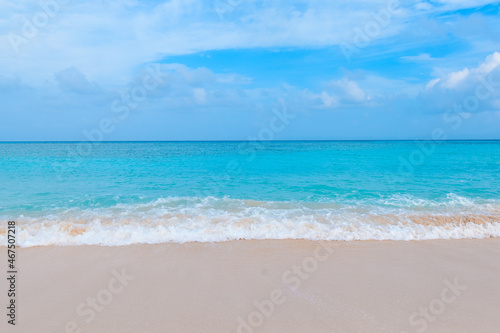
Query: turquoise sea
(152, 192)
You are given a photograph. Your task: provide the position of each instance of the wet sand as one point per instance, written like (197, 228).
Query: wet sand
(259, 286)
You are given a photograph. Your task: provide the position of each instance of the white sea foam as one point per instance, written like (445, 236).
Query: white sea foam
(182, 220)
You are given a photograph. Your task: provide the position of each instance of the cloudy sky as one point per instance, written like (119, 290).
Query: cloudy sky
(248, 69)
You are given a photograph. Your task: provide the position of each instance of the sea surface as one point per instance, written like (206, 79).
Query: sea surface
(153, 192)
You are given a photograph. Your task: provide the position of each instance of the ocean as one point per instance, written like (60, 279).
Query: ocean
(110, 193)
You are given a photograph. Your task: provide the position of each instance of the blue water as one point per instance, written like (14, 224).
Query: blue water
(186, 184)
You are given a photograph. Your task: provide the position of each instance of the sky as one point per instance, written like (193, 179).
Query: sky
(249, 70)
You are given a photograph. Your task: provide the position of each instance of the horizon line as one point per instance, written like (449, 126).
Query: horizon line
(201, 141)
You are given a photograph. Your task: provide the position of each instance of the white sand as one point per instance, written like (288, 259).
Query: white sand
(202, 287)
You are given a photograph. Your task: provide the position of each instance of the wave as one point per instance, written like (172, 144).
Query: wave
(211, 219)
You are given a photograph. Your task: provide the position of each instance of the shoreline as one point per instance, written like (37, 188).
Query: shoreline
(260, 286)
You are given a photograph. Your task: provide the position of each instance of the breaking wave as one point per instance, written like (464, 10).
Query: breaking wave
(210, 219)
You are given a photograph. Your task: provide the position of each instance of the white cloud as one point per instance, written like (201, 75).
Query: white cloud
(424, 6)
(328, 100)
(476, 89)
(349, 90)
(233, 78)
(454, 79)
(465, 76)
(339, 93)
(450, 5)
(419, 57)
(462, 4)
(119, 36)
(432, 83)
(108, 41)
(200, 95)
(72, 79)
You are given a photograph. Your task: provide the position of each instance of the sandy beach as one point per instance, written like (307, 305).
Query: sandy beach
(260, 286)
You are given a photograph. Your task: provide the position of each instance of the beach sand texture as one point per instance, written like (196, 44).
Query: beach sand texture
(260, 286)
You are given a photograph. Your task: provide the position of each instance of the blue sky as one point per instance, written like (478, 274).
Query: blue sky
(226, 68)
